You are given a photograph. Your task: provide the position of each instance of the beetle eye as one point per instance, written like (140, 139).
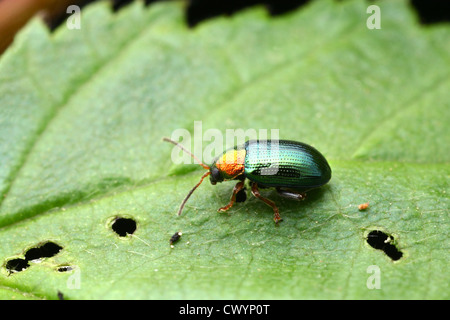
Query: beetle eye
(215, 176)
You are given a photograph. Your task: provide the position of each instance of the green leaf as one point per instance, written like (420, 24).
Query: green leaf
(82, 117)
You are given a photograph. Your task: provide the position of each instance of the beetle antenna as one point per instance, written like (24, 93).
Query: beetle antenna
(188, 152)
(207, 173)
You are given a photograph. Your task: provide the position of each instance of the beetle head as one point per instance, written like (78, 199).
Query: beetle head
(207, 173)
(215, 176)
(228, 166)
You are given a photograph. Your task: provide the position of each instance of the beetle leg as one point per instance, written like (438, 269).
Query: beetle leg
(238, 187)
(291, 194)
(255, 192)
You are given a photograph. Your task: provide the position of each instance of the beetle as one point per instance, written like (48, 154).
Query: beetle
(291, 167)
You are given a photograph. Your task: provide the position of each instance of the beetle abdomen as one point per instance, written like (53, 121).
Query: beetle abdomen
(285, 163)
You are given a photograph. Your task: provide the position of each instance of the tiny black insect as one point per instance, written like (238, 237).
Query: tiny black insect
(175, 238)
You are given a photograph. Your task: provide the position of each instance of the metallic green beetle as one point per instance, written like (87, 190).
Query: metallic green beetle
(289, 166)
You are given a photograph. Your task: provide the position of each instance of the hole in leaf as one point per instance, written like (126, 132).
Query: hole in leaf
(47, 250)
(124, 226)
(379, 240)
(65, 268)
(16, 265)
